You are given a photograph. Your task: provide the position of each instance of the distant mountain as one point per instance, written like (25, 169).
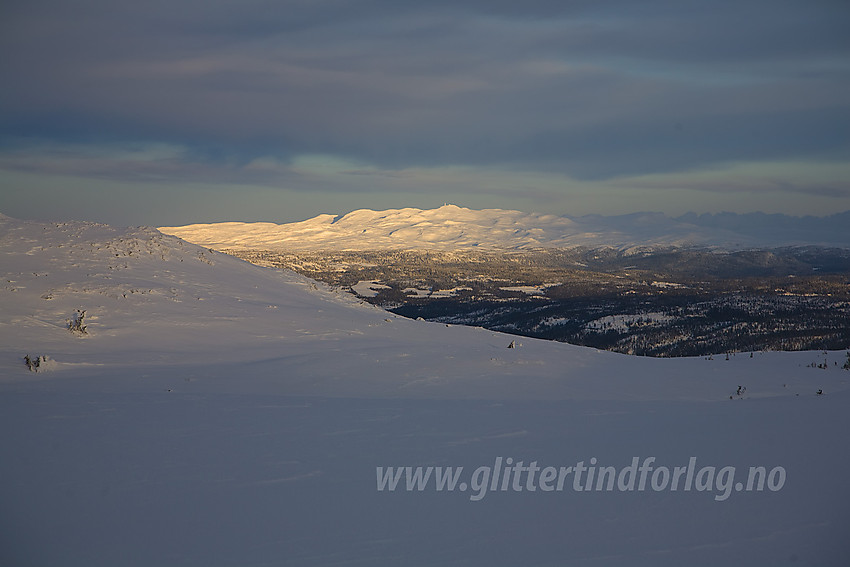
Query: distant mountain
(451, 228)
(833, 230)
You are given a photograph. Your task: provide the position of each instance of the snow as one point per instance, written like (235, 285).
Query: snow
(451, 292)
(528, 289)
(622, 323)
(369, 288)
(417, 292)
(451, 228)
(668, 285)
(555, 321)
(217, 413)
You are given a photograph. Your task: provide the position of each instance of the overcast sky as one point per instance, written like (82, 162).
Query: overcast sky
(170, 112)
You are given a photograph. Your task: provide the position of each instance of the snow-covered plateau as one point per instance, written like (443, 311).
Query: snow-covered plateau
(192, 409)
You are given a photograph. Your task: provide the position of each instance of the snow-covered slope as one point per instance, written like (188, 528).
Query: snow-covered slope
(219, 413)
(451, 227)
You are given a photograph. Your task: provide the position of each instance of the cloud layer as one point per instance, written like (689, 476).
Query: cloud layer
(586, 90)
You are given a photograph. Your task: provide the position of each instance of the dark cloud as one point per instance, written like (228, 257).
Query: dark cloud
(765, 186)
(144, 165)
(591, 89)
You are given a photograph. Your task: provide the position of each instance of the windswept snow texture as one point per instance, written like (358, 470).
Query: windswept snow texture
(452, 228)
(216, 413)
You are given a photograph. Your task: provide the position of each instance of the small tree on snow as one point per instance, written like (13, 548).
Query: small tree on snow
(33, 364)
(76, 322)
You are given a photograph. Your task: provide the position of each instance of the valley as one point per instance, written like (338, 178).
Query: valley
(664, 302)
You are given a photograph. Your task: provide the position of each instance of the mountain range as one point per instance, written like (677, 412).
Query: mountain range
(454, 228)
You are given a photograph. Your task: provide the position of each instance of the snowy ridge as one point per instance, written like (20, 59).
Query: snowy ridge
(451, 228)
